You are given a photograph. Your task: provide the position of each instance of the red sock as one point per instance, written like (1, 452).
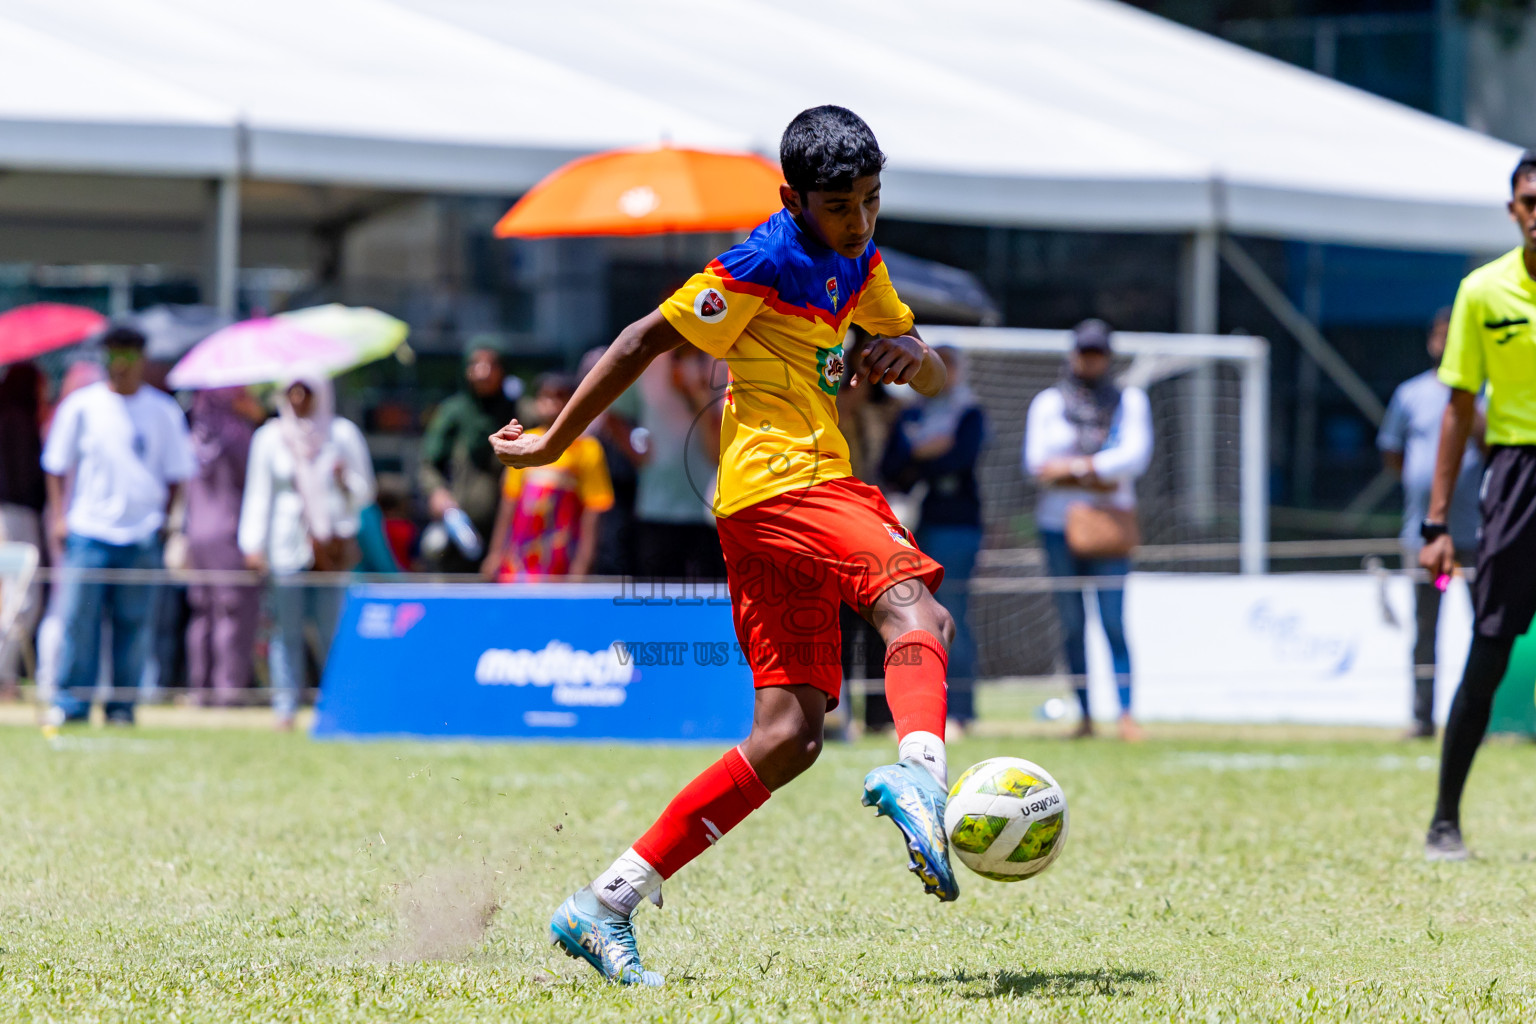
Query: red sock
(915, 666)
(707, 808)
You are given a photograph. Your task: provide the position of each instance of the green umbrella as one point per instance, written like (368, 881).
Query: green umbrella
(371, 333)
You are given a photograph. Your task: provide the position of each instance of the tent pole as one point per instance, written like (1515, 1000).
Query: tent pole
(1199, 299)
(226, 244)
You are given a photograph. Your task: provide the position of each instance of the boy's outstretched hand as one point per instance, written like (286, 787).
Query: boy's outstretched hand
(519, 450)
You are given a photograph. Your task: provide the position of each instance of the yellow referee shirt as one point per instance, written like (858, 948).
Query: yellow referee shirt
(1492, 341)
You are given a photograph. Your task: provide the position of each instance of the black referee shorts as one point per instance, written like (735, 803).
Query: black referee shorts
(1504, 591)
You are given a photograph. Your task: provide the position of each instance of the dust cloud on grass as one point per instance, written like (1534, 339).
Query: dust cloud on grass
(444, 914)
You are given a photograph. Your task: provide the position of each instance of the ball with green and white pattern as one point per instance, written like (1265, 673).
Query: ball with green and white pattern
(1006, 819)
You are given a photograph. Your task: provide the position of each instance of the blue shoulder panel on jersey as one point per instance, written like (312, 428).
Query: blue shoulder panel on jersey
(749, 264)
(796, 274)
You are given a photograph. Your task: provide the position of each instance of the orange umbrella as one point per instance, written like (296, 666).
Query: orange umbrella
(648, 192)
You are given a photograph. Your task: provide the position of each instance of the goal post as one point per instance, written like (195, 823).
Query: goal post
(1210, 404)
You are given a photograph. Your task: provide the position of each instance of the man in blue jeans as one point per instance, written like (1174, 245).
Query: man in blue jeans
(1086, 441)
(120, 450)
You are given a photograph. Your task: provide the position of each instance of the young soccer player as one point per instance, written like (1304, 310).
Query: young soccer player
(799, 533)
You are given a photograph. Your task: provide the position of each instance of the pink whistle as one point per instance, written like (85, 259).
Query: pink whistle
(1442, 582)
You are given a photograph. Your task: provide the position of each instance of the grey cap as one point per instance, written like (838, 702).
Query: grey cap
(1091, 336)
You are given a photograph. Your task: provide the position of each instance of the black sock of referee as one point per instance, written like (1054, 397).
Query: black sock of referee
(1468, 721)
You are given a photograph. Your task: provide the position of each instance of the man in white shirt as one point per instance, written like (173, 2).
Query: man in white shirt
(126, 447)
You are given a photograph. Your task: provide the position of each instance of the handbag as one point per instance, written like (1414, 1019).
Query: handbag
(1095, 532)
(339, 554)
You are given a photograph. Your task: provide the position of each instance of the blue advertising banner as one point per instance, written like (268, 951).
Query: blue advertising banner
(550, 661)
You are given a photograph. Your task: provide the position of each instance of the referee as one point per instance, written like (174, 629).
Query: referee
(1492, 341)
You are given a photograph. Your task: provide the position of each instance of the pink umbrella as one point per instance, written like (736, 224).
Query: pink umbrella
(258, 351)
(29, 331)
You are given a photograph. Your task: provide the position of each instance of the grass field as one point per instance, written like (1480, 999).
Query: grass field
(195, 875)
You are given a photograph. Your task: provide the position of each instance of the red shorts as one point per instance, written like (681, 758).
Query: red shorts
(792, 561)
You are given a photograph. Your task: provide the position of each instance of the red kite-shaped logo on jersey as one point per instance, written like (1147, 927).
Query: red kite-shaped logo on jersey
(832, 292)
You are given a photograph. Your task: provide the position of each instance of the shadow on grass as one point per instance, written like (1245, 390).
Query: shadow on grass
(1108, 981)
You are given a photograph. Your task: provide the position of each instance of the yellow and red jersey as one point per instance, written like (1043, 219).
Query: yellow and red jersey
(776, 308)
(546, 505)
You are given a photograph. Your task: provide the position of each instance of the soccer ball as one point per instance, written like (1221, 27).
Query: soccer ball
(1006, 819)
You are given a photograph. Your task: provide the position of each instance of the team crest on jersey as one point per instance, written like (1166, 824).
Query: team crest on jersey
(829, 368)
(709, 306)
(898, 535)
(832, 292)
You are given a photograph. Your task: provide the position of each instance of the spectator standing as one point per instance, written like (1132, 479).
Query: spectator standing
(680, 411)
(1086, 442)
(22, 494)
(221, 632)
(938, 442)
(457, 468)
(308, 481)
(548, 523)
(1409, 440)
(82, 373)
(127, 445)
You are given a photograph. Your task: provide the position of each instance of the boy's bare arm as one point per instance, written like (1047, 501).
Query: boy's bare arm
(620, 366)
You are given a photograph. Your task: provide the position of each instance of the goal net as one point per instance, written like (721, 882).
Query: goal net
(1201, 504)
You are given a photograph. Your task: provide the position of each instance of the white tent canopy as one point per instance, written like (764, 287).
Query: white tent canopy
(63, 106)
(1063, 113)
(1059, 113)
(356, 92)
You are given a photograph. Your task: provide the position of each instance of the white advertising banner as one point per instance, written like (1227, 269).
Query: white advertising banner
(1318, 648)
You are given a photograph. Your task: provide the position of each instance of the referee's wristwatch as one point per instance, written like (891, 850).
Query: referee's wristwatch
(1430, 530)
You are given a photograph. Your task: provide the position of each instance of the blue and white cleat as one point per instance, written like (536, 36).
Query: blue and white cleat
(588, 930)
(913, 799)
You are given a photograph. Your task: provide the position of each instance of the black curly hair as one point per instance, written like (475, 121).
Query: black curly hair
(825, 148)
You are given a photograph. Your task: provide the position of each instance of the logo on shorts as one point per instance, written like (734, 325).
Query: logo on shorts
(709, 306)
(832, 292)
(898, 535)
(829, 368)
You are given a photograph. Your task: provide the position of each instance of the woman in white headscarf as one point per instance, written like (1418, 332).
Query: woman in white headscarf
(309, 479)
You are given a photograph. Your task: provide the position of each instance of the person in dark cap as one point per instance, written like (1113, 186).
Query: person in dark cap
(1085, 443)
(457, 470)
(126, 447)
